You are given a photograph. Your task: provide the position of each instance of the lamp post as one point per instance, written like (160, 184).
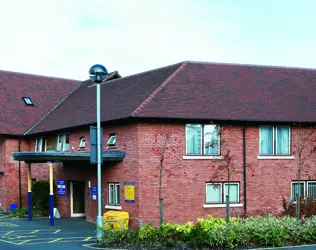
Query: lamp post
(97, 74)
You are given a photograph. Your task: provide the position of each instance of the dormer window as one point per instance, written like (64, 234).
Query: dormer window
(112, 141)
(27, 101)
(82, 143)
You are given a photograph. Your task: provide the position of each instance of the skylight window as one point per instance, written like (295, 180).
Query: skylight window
(27, 101)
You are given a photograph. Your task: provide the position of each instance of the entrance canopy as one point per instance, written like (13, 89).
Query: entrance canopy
(57, 156)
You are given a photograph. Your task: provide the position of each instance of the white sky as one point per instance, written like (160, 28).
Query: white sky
(63, 38)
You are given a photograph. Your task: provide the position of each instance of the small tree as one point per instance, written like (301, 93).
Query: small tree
(166, 148)
(227, 165)
(304, 146)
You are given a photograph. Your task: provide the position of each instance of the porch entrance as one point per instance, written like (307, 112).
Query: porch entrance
(77, 199)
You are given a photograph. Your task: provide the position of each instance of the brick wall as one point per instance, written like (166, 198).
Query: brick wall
(184, 192)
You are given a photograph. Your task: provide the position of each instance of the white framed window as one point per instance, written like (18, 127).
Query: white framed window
(233, 192)
(82, 143)
(112, 141)
(202, 139)
(308, 188)
(274, 140)
(216, 192)
(40, 144)
(27, 101)
(63, 142)
(311, 189)
(114, 194)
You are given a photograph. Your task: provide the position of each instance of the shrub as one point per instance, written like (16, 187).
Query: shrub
(307, 207)
(214, 232)
(40, 196)
(20, 212)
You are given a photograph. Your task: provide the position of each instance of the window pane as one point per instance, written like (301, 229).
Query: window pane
(38, 144)
(117, 194)
(233, 192)
(295, 190)
(60, 142)
(266, 140)
(283, 140)
(193, 139)
(112, 140)
(311, 190)
(211, 139)
(43, 144)
(214, 193)
(111, 194)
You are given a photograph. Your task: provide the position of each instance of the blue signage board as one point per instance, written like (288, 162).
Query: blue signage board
(61, 187)
(94, 190)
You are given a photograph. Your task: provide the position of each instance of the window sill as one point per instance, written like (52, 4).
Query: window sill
(111, 147)
(113, 207)
(222, 205)
(202, 157)
(275, 157)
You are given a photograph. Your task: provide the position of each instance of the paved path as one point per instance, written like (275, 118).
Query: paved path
(68, 234)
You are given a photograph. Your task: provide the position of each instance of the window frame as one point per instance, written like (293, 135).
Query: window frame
(27, 101)
(307, 182)
(275, 141)
(42, 139)
(81, 142)
(202, 153)
(63, 143)
(301, 182)
(238, 188)
(222, 187)
(111, 145)
(114, 185)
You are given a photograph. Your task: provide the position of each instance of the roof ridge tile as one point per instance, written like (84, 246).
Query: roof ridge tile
(155, 93)
(252, 65)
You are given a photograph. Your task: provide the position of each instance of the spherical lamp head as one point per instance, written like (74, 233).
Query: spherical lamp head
(98, 73)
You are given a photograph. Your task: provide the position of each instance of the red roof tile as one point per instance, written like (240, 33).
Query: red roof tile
(45, 92)
(194, 90)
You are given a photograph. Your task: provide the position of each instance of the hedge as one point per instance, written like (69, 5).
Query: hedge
(215, 233)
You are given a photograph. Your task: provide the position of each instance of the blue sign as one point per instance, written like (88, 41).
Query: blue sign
(94, 190)
(61, 187)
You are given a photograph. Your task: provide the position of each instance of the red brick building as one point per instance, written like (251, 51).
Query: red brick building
(256, 110)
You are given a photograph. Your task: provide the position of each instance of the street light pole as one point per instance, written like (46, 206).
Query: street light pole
(98, 74)
(99, 217)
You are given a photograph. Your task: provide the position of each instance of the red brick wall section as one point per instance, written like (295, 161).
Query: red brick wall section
(2, 176)
(82, 171)
(184, 192)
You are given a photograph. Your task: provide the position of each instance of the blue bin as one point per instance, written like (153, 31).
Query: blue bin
(13, 207)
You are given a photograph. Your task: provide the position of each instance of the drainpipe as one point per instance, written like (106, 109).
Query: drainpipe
(20, 189)
(245, 168)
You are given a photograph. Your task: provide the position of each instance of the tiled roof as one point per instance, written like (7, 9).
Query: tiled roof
(119, 99)
(45, 92)
(195, 90)
(237, 92)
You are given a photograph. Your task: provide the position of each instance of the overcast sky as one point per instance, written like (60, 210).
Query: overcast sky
(63, 38)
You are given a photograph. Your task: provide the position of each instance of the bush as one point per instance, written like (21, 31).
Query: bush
(40, 196)
(307, 207)
(20, 212)
(253, 231)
